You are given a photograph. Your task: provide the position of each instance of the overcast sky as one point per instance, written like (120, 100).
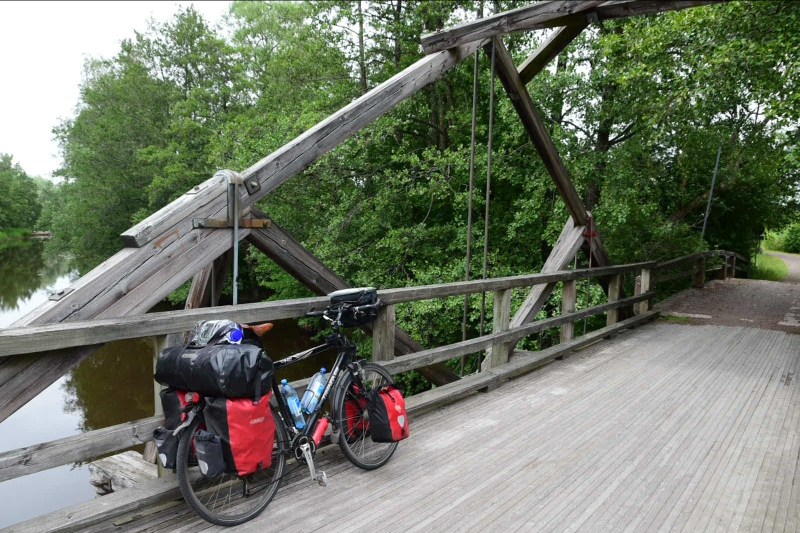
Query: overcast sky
(43, 46)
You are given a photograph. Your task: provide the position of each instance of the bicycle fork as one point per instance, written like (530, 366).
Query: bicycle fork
(320, 477)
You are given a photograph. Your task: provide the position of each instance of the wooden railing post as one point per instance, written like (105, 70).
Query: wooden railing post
(614, 283)
(383, 334)
(731, 263)
(568, 306)
(645, 287)
(498, 354)
(699, 277)
(159, 343)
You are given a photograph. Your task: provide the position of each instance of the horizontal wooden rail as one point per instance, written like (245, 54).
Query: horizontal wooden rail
(33, 339)
(31, 459)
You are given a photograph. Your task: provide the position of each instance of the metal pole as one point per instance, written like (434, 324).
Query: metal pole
(488, 192)
(235, 188)
(469, 205)
(710, 195)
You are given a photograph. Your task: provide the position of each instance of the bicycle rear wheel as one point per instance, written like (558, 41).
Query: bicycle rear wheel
(229, 500)
(352, 419)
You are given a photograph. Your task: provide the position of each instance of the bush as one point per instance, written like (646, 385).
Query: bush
(791, 239)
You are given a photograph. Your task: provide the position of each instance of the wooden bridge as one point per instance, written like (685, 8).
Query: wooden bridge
(632, 427)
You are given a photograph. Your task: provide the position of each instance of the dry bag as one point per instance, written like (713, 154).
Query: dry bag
(355, 424)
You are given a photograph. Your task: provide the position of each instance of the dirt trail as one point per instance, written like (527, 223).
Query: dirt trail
(743, 302)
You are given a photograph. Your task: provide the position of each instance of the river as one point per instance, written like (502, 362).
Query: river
(113, 386)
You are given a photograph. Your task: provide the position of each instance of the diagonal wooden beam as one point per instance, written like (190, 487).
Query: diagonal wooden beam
(553, 14)
(277, 244)
(533, 16)
(564, 250)
(521, 100)
(548, 50)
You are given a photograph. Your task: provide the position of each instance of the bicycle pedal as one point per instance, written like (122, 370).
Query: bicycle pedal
(322, 479)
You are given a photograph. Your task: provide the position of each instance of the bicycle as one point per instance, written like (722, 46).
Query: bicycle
(228, 500)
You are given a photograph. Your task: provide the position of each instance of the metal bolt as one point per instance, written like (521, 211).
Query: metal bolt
(254, 184)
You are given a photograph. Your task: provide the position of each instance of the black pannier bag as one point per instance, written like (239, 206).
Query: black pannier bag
(208, 448)
(386, 407)
(246, 430)
(349, 298)
(217, 369)
(172, 401)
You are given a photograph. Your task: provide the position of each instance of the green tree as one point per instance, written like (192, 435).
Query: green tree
(19, 196)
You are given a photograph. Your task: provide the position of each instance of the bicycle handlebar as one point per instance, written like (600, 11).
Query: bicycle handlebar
(339, 310)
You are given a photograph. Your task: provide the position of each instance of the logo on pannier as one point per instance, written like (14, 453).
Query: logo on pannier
(397, 408)
(257, 420)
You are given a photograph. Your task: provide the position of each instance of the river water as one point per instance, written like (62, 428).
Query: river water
(113, 386)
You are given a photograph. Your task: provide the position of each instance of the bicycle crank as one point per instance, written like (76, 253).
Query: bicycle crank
(321, 477)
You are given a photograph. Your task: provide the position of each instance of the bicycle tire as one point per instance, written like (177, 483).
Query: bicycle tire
(359, 448)
(194, 487)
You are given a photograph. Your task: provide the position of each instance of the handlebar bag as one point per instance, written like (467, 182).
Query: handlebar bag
(386, 407)
(217, 369)
(246, 430)
(355, 424)
(346, 299)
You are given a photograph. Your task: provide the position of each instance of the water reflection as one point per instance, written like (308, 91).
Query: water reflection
(25, 268)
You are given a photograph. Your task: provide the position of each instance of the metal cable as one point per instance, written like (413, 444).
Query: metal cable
(469, 205)
(488, 192)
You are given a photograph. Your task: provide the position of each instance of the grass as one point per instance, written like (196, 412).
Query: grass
(13, 233)
(769, 268)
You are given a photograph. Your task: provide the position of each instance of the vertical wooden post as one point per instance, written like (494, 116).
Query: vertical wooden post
(645, 287)
(159, 343)
(722, 274)
(732, 272)
(699, 277)
(501, 314)
(614, 283)
(568, 306)
(383, 334)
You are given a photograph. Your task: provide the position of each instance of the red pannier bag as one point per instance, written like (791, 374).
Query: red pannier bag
(246, 429)
(387, 414)
(355, 425)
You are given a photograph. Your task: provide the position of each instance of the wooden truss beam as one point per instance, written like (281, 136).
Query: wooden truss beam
(567, 245)
(553, 14)
(548, 50)
(507, 72)
(530, 17)
(277, 244)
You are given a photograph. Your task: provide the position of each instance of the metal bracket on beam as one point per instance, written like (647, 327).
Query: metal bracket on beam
(56, 296)
(252, 185)
(219, 223)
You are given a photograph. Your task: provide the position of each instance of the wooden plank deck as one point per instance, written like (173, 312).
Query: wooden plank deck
(665, 428)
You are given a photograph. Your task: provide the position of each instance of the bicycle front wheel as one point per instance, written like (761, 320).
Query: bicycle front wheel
(352, 419)
(229, 500)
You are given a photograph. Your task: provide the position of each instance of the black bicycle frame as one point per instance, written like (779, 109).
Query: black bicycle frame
(347, 352)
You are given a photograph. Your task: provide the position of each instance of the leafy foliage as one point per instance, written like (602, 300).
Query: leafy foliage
(19, 196)
(637, 109)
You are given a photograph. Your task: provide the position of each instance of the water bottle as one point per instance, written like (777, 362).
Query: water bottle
(314, 391)
(293, 402)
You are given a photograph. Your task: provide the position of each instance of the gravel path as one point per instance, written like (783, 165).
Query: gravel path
(793, 262)
(743, 302)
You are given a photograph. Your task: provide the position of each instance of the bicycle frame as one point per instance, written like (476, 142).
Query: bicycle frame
(347, 352)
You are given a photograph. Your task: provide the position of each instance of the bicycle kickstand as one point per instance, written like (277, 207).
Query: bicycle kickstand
(320, 477)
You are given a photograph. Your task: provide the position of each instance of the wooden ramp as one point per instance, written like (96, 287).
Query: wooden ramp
(666, 428)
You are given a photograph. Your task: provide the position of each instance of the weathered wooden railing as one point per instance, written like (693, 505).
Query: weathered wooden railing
(498, 344)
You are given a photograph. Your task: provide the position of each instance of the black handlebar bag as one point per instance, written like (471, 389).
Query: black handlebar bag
(347, 299)
(217, 369)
